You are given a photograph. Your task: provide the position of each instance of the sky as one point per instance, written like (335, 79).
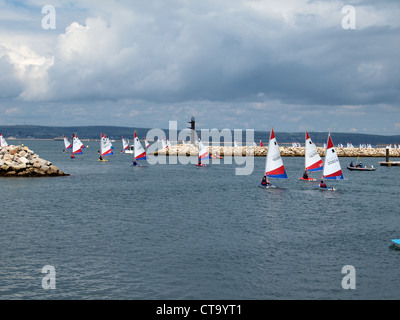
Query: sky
(293, 65)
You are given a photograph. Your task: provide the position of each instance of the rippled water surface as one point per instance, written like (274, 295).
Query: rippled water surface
(178, 231)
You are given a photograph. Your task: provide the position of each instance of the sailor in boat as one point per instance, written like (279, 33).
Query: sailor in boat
(305, 175)
(134, 163)
(199, 163)
(358, 165)
(101, 158)
(265, 181)
(72, 156)
(322, 184)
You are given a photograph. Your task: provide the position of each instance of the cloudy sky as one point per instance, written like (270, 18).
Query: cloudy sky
(289, 64)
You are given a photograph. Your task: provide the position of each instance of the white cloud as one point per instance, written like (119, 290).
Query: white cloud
(257, 57)
(26, 69)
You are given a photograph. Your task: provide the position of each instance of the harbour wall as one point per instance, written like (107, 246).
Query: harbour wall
(19, 161)
(191, 150)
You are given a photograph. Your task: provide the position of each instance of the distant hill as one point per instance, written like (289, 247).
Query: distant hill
(84, 132)
(115, 132)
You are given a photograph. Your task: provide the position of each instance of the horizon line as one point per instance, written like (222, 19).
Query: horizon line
(135, 128)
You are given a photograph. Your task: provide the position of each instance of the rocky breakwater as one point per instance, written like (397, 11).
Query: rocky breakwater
(190, 150)
(18, 161)
(341, 152)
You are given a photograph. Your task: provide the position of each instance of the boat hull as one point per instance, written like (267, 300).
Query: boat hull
(309, 179)
(266, 186)
(325, 189)
(360, 169)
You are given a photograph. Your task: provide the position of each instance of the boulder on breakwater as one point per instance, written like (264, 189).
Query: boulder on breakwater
(191, 150)
(18, 161)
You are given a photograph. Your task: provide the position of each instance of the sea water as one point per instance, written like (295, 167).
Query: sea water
(177, 231)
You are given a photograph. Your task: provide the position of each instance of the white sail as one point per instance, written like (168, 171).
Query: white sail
(125, 144)
(163, 144)
(140, 153)
(203, 151)
(274, 167)
(313, 161)
(67, 144)
(105, 146)
(332, 169)
(3, 142)
(77, 145)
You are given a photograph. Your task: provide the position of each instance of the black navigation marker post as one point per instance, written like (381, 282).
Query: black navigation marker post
(192, 127)
(387, 154)
(389, 163)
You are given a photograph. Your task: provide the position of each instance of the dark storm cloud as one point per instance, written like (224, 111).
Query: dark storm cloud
(221, 55)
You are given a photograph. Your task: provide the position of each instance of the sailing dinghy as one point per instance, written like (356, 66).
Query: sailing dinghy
(77, 145)
(332, 169)
(203, 154)
(274, 167)
(3, 142)
(163, 144)
(105, 146)
(139, 152)
(313, 161)
(125, 146)
(67, 144)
